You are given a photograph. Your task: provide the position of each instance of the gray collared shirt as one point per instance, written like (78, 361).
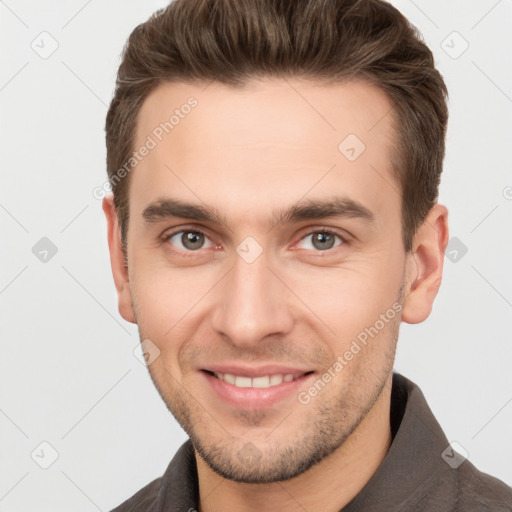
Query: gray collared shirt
(420, 472)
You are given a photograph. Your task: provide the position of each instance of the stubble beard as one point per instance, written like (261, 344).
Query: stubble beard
(286, 456)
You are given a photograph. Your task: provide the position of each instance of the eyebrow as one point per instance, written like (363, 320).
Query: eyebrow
(336, 206)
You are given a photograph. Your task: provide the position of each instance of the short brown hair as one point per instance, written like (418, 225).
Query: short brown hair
(234, 41)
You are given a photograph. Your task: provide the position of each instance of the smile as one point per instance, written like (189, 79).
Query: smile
(264, 381)
(259, 391)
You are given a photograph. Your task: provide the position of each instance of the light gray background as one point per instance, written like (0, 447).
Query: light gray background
(69, 376)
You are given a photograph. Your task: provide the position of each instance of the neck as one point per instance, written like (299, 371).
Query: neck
(326, 487)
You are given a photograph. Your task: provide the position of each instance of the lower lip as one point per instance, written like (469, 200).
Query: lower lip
(254, 398)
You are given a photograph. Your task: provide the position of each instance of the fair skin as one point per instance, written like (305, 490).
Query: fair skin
(297, 307)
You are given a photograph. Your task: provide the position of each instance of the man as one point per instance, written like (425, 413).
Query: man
(275, 170)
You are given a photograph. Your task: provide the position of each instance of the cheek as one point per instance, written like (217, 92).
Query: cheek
(161, 315)
(350, 298)
(164, 297)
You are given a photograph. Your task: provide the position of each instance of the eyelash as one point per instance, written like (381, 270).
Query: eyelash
(325, 230)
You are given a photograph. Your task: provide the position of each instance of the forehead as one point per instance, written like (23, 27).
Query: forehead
(271, 141)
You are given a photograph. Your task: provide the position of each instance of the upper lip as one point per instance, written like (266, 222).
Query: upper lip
(256, 371)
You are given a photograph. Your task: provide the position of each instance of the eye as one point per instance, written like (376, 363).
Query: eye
(190, 240)
(322, 240)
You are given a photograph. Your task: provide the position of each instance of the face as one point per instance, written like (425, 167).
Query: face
(265, 255)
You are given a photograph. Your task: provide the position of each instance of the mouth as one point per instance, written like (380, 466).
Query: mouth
(255, 392)
(260, 382)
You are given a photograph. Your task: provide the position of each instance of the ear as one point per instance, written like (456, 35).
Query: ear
(117, 260)
(425, 265)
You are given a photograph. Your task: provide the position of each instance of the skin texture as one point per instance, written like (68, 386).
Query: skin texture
(249, 152)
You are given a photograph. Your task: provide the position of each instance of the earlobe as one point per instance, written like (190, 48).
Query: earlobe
(425, 265)
(117, 261)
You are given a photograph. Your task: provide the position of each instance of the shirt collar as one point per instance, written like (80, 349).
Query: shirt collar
(414, 463)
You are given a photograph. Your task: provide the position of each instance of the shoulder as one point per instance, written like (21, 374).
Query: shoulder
(143, 500)
(176, 489)
(480, 491)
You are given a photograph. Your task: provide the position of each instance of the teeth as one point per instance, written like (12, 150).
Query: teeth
(243, 382)
(230, 379)
(276, 379)
(257, 382)
(261, 382)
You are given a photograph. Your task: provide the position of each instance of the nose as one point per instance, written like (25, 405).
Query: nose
(253, 304)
